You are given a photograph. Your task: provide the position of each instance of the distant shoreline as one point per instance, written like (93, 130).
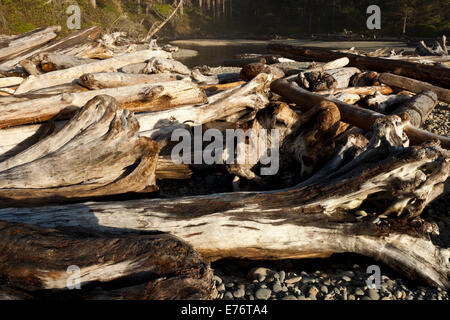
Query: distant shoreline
(368, 45)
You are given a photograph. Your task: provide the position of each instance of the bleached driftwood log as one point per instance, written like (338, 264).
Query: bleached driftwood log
(97, 81)
(55, 61)
(72, 41)
(28, 41)
(385, 104)
(139, 98)
(250, 96)
(215, 79)
(161, 65)
(316, 220)
(111, 159)
(10, 81)
(68, 75)
(414, 85)
(37, 263)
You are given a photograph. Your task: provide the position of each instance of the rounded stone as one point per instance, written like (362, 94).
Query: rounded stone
(289, 298)
(373, 294)
(346, 278)
(276, 287)
(282, 276)
(228, 296)
(240, 293)
(263, 294)
(359, 292)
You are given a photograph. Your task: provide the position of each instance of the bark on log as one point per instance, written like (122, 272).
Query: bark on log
(414, 85)
(300, 222)
(434, 75)
(362, 118)
(74, 39)
(27, 41)
(35, 262)
(419, 107)
(68, 75)
(250, 71)
(325, 80)
(111, 159)
(138, 98)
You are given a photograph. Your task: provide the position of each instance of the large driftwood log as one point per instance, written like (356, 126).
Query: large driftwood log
(414, 85)
(110, 159)
(360, 117)
(315, 220)
(434, 75)
(32, 39)
(74, 39)
(36, 262)
(68, 75)
(139, 98)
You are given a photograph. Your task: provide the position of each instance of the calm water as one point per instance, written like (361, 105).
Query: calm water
(214, 56)
(215, 52)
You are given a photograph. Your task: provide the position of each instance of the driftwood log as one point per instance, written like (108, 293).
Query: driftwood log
(359, 117)
(36, 262)
(434, 75)
(413, 85)
(139, 98)
(73, 42)
(68, 75)
(111, 159)
(27, 41)
(314, 219)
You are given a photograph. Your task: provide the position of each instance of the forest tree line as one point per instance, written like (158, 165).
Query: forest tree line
(420, 18)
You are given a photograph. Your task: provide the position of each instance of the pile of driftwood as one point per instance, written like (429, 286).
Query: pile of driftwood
(90, 116)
